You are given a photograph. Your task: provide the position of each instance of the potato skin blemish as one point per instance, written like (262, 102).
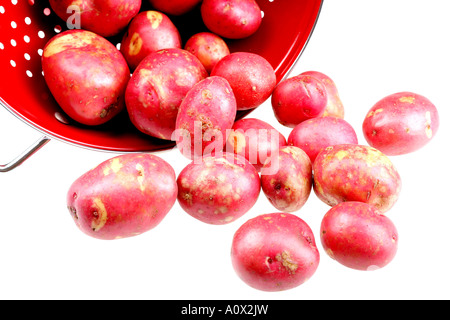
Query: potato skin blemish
(274, 252)
(408, 122)
(221, 189)
(123, 197)
(79, 65)
(365, 174)
(289, 187)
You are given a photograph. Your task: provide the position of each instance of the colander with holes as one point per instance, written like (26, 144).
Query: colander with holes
(27, 25)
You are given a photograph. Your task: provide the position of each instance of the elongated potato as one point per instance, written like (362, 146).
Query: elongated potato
(218, 189)
(356, 173)
(157, 88)
(205, 117)
(335, 107)
(123, 196)
(401, 123)
(86, 75)
(287, 188)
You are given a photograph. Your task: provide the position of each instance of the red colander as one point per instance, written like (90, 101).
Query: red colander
(27, 25)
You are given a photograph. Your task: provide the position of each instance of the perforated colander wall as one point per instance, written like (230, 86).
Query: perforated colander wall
(27, 25)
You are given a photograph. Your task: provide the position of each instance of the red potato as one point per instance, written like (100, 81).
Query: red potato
(297, 99)
(356, 173)
(288, 186)
(208, 47)
(251, 77)
(233, 19)
(255, 140)
(218, 189)
(123, 196)
(315, 134)
(358, 236)
(401, 123)
(148, 32)
(334, 107)
(157, 88)
(174, 7)
(87, 76)
(274, 252)
(205, 117)
(104, 17)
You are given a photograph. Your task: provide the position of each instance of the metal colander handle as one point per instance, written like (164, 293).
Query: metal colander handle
(24, 155)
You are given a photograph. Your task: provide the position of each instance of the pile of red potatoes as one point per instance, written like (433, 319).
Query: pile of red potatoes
(190, 93)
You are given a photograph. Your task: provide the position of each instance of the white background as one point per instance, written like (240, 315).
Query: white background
(370, 49)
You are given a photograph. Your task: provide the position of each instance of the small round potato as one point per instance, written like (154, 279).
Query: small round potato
(148, 32)
(358, 236)
(297, 99)
(250, 75)
(274, 252)
(218, 189)
(208, 47)
(334, 107)
(401, 123)
(233, 19)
